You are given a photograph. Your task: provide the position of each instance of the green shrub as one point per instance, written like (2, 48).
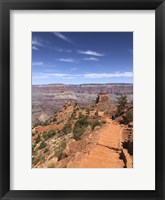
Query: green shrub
(38, 139)
(42, 145)
(80, 127)
(80, 115)
(59, 151)
(128, 117)
(83, 121)
(49, 134)
(78, 133)
(41, 124)
(36, 124)
(45, 123)
(95, 123)
(67, 128)
(44, 135)
(121, 104)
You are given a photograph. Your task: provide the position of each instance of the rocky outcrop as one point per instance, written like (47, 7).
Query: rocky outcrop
(102, 97)
(104, 103)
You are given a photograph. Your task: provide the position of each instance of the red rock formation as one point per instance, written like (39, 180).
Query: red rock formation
(104, 103)
(102, 97)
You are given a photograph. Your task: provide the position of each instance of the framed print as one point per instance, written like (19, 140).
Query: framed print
(82, 95)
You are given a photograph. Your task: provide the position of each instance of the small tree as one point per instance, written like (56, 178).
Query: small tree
(67, 128)
(128, 117)
(121, 104)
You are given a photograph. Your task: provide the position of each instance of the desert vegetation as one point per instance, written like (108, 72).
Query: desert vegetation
(58, 140)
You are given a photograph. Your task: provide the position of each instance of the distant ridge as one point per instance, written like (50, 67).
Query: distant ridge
(62, 84)
(48, 98)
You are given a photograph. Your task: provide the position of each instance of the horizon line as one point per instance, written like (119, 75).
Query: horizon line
(81, 83)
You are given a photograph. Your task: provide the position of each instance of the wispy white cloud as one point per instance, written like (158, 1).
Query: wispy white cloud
(89, 52)
(86, 76)
(63, 50)
(70, 60)
(91, 59)
(37, 63)
(62, 36)
(37, 42)
(35, 48)
(50, 75)
(109, 75)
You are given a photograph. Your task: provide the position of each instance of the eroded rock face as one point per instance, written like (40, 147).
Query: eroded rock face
(104, 103)
(102, 97)
(48, 99)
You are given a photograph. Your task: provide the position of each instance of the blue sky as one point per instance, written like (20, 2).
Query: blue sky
(82, 57)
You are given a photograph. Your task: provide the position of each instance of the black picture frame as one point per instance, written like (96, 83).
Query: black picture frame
(5, 7)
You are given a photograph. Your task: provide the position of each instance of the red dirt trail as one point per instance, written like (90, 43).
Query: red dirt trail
(106, 153)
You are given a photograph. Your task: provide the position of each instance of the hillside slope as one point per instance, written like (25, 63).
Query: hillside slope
(82, 137)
